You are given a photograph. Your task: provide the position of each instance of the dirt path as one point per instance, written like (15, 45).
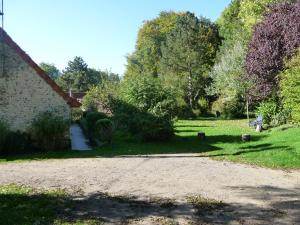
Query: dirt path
(254, 195)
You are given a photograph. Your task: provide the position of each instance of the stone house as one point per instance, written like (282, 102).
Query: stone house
(25, 89)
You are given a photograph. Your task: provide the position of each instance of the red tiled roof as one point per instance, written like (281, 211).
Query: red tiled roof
(71, 101)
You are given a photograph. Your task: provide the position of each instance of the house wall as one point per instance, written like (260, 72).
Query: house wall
(24, 94)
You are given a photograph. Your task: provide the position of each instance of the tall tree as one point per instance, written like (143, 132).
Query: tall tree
(229, 22)
(51, 70)
(277, 37)
(145, 59)
(189, 52)
(252, 11)
(79, 77)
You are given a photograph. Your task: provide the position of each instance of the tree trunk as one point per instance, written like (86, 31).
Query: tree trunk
(247, 107)
(190, 89)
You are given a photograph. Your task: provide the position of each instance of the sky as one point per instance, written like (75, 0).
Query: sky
(102, 32)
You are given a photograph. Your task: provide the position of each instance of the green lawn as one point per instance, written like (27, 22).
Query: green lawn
(23, 205)
(276, 148)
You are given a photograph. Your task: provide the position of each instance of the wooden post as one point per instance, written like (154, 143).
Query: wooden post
(246, 137)
(201, 135)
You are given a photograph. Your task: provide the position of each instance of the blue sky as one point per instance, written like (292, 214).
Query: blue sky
(103, 32)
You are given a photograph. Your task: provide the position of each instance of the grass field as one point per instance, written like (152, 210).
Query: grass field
(275, 148)
(23, 205)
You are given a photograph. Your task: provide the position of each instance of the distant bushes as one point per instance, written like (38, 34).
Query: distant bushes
(12, 142)
(98, 127)
(48, 131)
(145, 108)
(4, 131)
(290, 87)
(273, 114)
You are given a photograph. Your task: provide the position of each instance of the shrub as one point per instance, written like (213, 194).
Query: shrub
(98, 98)
(104, 129)
(290, 87)
(228, 108)
(17, 142)
(76, 114)
(145, 108)
(4, 132)
(267, 110)
(92, 118)
(49, 131)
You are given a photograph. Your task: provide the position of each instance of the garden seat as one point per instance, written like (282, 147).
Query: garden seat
(257, 122)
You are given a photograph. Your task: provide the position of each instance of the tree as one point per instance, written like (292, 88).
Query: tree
(290, 87)
(229, 22)
(99, 97)
(51, 70)
(253, 11)
(75, 76)
(145, 108)
(79, 77)
(277, 37)
(189, 52)
(146, 57)
(228, 83)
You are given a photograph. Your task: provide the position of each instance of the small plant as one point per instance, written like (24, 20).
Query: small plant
(49, 131)
(205, 204)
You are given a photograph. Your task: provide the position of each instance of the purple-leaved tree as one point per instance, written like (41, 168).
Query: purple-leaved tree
(276, 38)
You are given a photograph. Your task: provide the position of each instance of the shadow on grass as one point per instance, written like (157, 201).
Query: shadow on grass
(30, 208)
(178, 145)
(251, 149)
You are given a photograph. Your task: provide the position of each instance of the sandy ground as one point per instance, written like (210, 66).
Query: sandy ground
(252, 195)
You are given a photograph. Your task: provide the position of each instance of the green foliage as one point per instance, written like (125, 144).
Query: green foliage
(147, 55)
(98, 97)
(92, 118)
(189, 52)
(49, 131)
(252, 11)
(268, 110)
(229, 22)
(76, 114)
(51, 70)
(275, 148)
(4, 132)
(145, 108)
(104, 128)
(228, 108)
(79, 77)
(290, 87)
(17, 142)
(273, 113)
(228, 82)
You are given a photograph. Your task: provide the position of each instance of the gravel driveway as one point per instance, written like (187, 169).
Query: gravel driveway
(254, 195)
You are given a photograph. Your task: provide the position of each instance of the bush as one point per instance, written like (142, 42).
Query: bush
(104, 129)
(76, 115)
(145, 108)
(228, 108)
(290, 87)
(17, 142)
(4, 132)
(49, 131)
(267, 110)
(92, 118)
